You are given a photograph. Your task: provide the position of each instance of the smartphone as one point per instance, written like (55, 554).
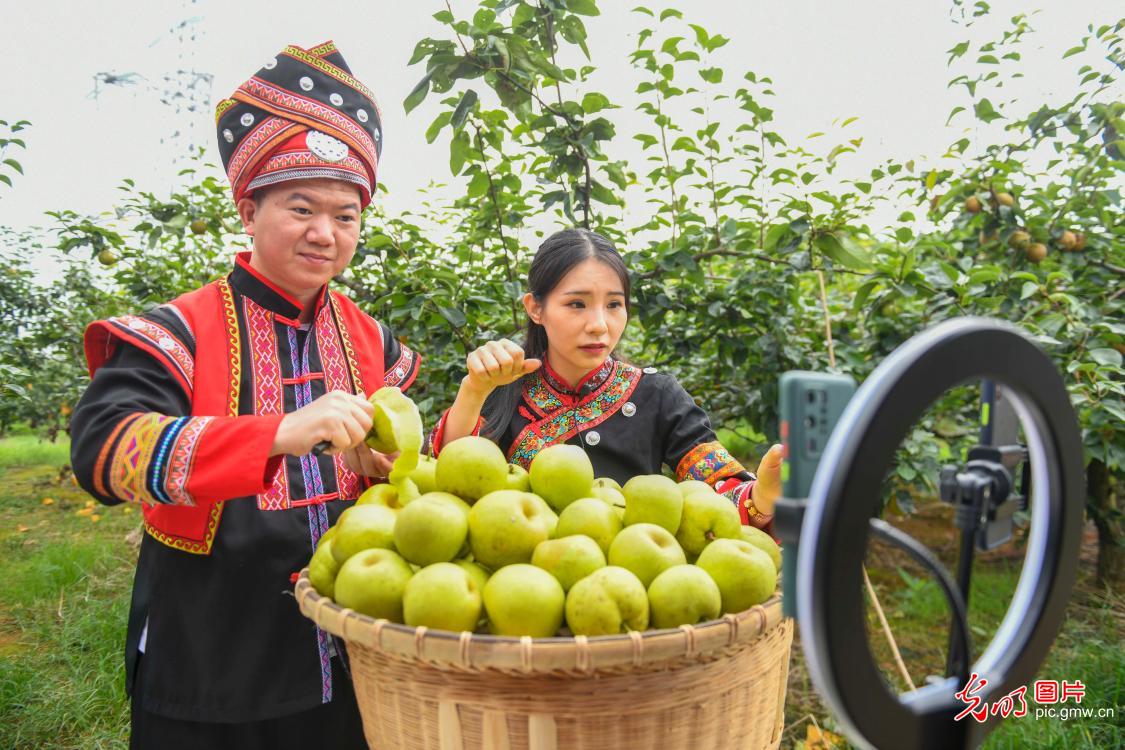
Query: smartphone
(810, 405)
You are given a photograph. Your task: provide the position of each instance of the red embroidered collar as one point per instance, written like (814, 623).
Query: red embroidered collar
(589, 383)
(250, 282)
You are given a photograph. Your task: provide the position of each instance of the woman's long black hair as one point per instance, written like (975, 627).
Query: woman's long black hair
(554, 259)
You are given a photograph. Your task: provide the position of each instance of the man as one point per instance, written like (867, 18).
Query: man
(207, 410)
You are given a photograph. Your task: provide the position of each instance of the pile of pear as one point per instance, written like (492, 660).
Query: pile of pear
(469, 542)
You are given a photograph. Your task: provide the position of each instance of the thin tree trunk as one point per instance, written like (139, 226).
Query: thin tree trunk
(1104, 503)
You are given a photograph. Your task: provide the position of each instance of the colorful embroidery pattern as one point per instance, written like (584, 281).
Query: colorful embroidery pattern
(299, 107)
(561, 424)
(340, 372)
(129, 473)
(163, 344)
(182, 460)
(257, 144)
(346, 341)
(708, 462)
(265, 380)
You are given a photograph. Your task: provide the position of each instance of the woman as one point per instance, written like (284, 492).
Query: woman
(564, 386)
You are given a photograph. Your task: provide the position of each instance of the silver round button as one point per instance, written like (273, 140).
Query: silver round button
(306, 83)
(336, 99)
(650, 371)
(271, 64)
(247, 119)
(377, 136)
(629, 409)
(593, 438)
(326, 147)
(361, 114)
(228, 136)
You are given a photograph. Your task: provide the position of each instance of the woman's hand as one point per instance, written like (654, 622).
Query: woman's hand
(768, 487)
(496, 364)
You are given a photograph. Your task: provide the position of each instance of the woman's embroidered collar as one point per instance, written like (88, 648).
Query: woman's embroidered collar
(589, 383)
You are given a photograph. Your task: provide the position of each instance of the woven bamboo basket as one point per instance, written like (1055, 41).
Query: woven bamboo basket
(717, 685)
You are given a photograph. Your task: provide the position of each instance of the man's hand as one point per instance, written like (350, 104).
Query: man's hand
(368, 462)
(496, 364)
(339, 418)
(768, 487)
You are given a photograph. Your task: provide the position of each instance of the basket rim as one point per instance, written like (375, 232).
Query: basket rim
(526, 654)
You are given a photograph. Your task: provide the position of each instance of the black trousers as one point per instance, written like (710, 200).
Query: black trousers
(333, 726)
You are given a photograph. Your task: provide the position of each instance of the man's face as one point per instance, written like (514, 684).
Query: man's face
(305, 232)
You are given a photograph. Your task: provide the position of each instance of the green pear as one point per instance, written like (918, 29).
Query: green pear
(560, 474)
(609, 601)
(431, 529)
(549, 512)
(518, 478)
(443, 596)
(423, 476)
(591, 517)
(327, 535)
(653, 498)
(745, 574)
(609, 496)
(386, 495)
(480, 575)
(645, 549)
(609, 482)
(372, 583)
(689, 486)
(762, 541)
(323, 569)
(707, 516)
(569, 558)
(365, 527)
(505, 526)
(523, 600)
(470, 468)
(683, 595)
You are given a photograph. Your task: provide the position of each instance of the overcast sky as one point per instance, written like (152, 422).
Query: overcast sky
(880, 60)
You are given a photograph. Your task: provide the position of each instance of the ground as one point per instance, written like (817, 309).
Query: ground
(66, 568)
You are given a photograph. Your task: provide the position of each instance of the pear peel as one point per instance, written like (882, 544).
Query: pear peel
(396, 426)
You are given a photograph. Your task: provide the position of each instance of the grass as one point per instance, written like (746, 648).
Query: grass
(66, 570)
(29, 450)
(65, 578)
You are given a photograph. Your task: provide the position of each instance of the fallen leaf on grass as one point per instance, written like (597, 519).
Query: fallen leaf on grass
(95, 518)
(21, 528)
(48, 501)
(84, 512)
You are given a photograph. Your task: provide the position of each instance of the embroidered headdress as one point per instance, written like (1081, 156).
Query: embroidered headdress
(301, 116)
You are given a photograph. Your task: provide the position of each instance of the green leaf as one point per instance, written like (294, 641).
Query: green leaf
(415, 97)
(6, 180)
(478, 185)
(14, 165)
(459, 150)
(984, 111)
(1028, 289)
(435, 127)
(468, 100)
(711, 75)
(774, 235)
(850, 256)
(670, 13)
(1074, 51)
(455, 317)
(594, 102)
(583, 7)
(1106, 356)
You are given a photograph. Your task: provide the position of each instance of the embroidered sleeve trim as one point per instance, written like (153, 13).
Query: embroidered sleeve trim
(134, 473)
(161, 344)
(708, 462)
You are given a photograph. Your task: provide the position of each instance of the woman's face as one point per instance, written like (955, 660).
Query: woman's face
(584, 316)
